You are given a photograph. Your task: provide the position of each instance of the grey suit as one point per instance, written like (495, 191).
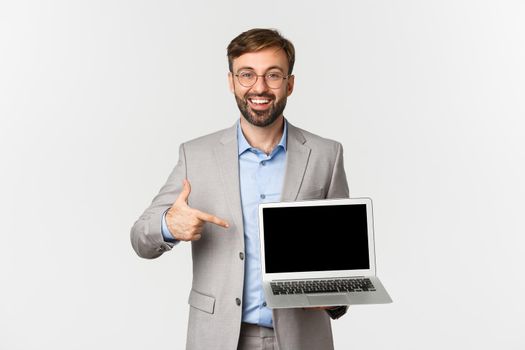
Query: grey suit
(314, 170)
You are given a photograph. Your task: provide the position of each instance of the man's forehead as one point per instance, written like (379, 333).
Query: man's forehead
(272, 57)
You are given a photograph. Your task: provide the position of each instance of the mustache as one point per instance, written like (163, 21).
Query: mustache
(265, 95)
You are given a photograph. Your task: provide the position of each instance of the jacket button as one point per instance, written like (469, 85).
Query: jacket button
(237, 301)
(241, 255)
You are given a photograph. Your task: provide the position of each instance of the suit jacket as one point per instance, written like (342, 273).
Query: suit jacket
(314, 170)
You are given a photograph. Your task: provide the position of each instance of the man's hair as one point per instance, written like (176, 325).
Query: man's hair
(258, 39)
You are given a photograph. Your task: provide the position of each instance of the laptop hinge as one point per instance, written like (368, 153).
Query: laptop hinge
(316, 278)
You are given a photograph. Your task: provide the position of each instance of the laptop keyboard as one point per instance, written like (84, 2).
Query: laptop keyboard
(322, 286)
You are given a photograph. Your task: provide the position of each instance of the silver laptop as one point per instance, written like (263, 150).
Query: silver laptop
(319, 253)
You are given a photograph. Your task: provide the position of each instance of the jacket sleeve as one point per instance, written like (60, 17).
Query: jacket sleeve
(338, 184)
(146, 233)
(338, 189)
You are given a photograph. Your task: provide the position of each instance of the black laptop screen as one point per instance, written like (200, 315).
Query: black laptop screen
(319, 238)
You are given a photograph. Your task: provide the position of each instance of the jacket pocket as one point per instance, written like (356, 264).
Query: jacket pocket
(202, 302)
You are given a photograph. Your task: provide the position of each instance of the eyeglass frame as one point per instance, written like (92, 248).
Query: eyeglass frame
(257, 79)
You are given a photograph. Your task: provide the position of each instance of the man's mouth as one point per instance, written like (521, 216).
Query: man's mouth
(260, 103)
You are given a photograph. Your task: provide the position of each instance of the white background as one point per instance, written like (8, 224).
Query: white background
(427, 98)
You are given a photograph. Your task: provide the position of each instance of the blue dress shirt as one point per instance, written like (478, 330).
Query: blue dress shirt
(261, 179)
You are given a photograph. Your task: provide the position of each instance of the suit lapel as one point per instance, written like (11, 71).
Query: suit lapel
(297, 155)
(227, 155)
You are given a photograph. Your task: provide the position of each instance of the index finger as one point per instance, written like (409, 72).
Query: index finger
(211, 218)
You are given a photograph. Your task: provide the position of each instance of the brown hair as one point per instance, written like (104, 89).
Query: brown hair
(258, 39)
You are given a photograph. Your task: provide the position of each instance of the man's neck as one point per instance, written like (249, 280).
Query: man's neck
(263, 138)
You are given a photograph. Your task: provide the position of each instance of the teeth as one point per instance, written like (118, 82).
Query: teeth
(260, 101)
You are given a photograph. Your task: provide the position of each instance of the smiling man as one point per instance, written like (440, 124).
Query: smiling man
(261, 101)
(211, 200)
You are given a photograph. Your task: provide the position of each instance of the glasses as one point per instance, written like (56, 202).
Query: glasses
(248, 78)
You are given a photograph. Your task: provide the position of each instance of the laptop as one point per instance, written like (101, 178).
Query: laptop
(319, 253)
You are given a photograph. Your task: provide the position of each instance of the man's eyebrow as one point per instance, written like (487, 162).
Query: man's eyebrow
(276, 67)
(268, 69)
(245, 67)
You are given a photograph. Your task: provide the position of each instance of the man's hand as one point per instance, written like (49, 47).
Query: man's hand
(185, 223)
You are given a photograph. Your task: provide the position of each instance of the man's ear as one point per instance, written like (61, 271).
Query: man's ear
(289, 85)
(230, 82)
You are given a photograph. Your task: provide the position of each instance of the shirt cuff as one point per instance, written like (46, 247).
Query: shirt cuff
(166, 233)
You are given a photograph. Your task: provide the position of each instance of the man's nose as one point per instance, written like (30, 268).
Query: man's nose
(260, 85)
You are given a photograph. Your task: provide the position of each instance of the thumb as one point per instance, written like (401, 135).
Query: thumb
(185, 193)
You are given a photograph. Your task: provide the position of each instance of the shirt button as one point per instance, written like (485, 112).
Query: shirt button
(238, 301)
(263, 163)
(263, 196)
(264, 304)
(241, 255)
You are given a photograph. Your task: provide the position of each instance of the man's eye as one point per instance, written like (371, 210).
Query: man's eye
(274, 76)
(246, 75)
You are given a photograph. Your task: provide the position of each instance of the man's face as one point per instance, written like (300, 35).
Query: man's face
(259, 104)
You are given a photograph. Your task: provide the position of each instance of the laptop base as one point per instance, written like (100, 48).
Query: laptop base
(379, 296)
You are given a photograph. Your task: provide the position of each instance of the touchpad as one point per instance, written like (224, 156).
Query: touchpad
(327, 299)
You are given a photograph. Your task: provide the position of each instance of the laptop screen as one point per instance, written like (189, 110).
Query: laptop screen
(315, 238)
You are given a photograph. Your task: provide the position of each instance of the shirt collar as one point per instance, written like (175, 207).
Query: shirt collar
(244, 145)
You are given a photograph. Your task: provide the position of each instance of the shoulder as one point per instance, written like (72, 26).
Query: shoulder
(312, 140)
(205, 141)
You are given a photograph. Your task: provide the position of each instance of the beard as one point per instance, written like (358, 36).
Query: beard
(260, 118)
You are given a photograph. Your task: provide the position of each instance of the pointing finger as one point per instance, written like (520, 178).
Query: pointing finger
(211, 218)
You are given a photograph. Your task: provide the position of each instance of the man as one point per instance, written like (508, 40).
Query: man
(211, 199)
